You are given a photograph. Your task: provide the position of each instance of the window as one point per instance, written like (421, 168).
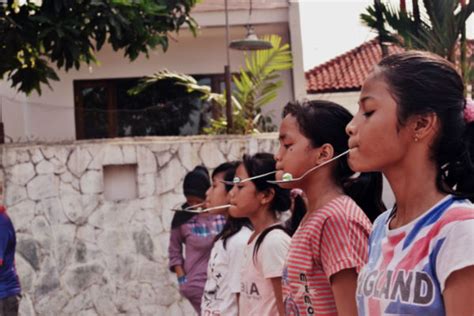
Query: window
(104, 109)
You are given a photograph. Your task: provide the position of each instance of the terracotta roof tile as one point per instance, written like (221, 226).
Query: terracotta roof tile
(348, 71)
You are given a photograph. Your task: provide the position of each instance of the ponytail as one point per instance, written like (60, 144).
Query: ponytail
(366, 191)
(298, 211)
(456, 177)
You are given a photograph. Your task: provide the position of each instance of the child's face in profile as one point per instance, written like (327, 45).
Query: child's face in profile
(217, 194)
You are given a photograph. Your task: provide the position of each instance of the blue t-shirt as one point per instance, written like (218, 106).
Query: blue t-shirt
(9, 283)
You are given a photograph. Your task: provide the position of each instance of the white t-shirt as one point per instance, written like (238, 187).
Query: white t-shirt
(223, 275)
(257, 297)
(408, 266)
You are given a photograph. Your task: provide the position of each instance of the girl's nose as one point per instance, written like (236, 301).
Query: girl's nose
(350, 128)
(277, 155)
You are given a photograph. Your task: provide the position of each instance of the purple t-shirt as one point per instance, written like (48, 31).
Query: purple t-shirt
(197, 234)
(9, 283)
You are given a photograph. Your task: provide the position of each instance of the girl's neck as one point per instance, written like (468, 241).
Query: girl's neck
(414, 187)
(262, 219)
(320, 190)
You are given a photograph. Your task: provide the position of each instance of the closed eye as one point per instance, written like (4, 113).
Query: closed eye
(368, 113)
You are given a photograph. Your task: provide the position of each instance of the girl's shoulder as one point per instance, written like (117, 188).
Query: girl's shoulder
(276, 237)
(342, 208)
(240, 238)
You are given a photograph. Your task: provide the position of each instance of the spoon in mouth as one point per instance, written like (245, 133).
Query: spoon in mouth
(200, 209)
(237, 180)
(288, 177)
(192, 209)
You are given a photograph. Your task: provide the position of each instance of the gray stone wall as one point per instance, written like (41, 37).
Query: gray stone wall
(80, 254)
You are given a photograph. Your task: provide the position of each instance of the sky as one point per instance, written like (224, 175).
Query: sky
(333, 27)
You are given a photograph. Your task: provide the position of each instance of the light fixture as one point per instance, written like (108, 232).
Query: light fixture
(250, 42)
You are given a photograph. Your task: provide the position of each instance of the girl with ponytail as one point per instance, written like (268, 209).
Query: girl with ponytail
(416, 127)
(265, 252)
(329, 245)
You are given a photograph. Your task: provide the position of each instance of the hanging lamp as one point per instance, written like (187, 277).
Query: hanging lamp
(251, 40)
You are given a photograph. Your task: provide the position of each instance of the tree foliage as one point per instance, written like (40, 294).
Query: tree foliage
(256, 85)
(437, 28)
(66, 33)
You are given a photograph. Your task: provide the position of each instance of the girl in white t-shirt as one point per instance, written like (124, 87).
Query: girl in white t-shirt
(266, 250)
(222, 287)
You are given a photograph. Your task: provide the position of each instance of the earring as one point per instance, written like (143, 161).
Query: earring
(415, 138)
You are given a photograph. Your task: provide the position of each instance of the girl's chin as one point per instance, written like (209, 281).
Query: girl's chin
(353, 160)
(222, 211)
(234, 212)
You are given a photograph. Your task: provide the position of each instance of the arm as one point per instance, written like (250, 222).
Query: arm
(3, 243)
(455, 267)
(276, 283)
(344, 251)
(175, 251)
(343, 285)
(179, 271)
(458, 293)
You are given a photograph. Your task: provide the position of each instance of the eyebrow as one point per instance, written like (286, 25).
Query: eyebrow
(361, 101)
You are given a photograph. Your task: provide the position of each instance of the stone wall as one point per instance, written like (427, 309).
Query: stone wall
(80, 254)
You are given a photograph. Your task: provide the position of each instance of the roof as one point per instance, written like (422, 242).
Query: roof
(218, 5)
(348, 71)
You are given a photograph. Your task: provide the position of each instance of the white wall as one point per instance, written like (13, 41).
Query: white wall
(50, 117)
(78, 252)
(347, 99)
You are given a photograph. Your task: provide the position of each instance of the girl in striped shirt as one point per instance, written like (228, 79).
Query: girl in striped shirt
(329, 246)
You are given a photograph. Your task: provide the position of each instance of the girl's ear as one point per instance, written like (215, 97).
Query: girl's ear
(424, 126)
(325, 152)
(266, 196)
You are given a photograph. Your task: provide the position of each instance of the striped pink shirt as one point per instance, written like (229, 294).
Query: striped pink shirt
(331, 239)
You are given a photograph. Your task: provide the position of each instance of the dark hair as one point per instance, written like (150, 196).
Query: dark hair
(181, 217)
(423, 83)
(197, 182)
(324, 122)
(298, 211)
(233, 225)
(258, 164)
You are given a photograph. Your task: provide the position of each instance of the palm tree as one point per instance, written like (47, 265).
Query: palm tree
(439, 27)
(255, 86)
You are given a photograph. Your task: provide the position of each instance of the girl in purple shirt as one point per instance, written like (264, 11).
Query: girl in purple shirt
(197, 233)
